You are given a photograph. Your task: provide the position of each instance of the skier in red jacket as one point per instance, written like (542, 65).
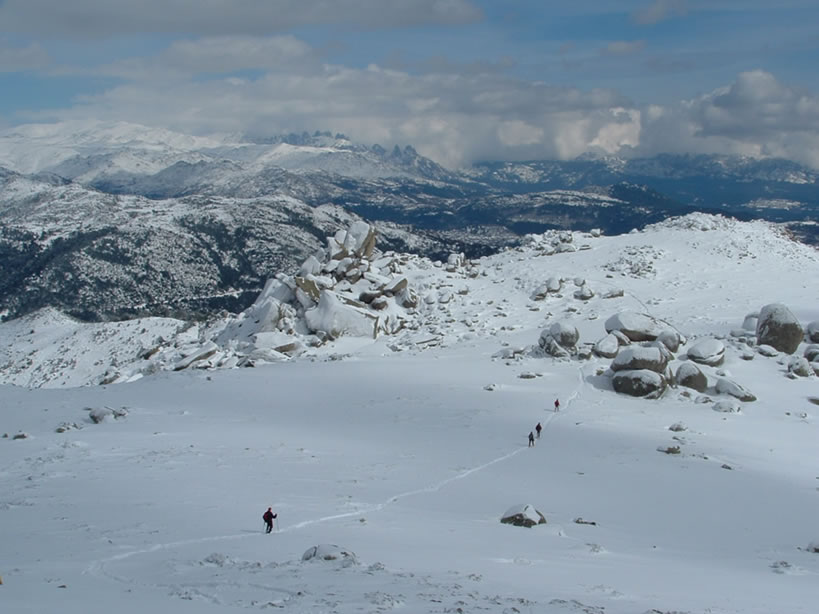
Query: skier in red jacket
(268, 517)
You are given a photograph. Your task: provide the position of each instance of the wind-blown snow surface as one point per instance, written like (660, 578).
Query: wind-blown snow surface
(407, 456)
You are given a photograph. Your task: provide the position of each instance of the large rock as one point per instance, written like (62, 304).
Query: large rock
(637, 326)
(523, 515)
(690, 376)
(607, 347)
(336, 316)
(800, 367)
(813, 331)
(778, 327)
(709, 352)
(726, 386)
(638, 357)
(565, 334)
(639, 383)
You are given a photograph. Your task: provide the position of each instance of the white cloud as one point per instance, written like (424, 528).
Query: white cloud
(95, 19)
(620, 48)
(659, 10)
(19, 59)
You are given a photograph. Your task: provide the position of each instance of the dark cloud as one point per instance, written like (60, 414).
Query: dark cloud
(95, 19)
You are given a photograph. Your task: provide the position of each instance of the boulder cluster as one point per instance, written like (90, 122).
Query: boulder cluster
(644, 351)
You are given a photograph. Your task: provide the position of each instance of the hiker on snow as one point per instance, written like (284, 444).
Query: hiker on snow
(531, 439)
(557, 405)
(268, 517)
(538, 428)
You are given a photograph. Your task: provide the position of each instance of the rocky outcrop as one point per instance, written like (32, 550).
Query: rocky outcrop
(524, 515)
(778, 327)
(690, 376)
(709, 352)
(639, 383)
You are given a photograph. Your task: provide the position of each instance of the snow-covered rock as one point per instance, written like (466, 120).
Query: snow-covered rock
(336, 316)
(523, 515)
(800, 367)
(607, 347)
(707, 352)
(812, 331)
(726, 386)
(638, 357)
(727, 406)
(689, 375)
(330, 552)
(637, 326)
(778, 327)
(639, 383)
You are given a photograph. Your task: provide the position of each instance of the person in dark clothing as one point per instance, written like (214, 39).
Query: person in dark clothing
(531, 439)
(557, 405)
(268, 517)
(538, 428)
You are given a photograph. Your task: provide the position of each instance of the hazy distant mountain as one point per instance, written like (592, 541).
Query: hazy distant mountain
(113, 219)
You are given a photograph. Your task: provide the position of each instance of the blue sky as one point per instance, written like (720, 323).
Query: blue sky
(459, 79)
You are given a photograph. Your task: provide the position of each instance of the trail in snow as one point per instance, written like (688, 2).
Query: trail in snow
(98, 567)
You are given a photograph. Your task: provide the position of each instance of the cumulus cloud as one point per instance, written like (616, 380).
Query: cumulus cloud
(756, 115)
(94, 19)
(658, 11)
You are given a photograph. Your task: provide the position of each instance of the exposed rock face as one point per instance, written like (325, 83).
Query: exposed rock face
(812, 353)
(640, 357)
(726, 386)
(707, 352)
(778, 327)
(813, 331)
(607, 347)
(690, 376)
(639, 383)
(637, 326)
(523, 516)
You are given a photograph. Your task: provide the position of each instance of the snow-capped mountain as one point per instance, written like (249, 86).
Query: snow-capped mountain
(112, 219)
(99, 256)
(386, 419)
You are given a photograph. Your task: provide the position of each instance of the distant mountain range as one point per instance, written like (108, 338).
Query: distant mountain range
(112, 220)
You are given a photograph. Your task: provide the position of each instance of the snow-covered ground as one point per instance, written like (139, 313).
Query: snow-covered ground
(406, 451)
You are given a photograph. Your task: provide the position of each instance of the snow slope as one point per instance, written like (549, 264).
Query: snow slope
(407, 449)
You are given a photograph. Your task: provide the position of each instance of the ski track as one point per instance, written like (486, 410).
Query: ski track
(98, 567)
